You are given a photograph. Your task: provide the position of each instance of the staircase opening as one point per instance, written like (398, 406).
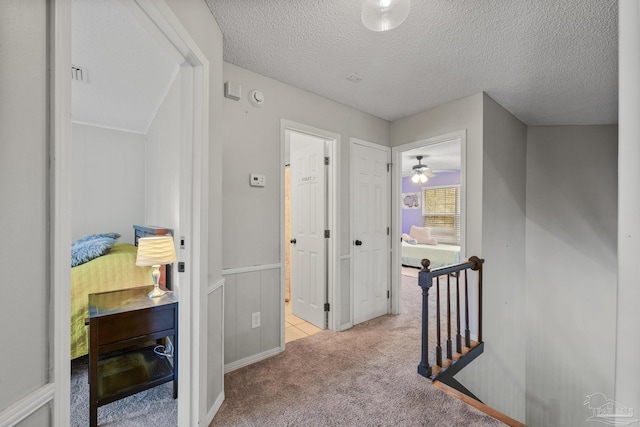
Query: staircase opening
(455, 340)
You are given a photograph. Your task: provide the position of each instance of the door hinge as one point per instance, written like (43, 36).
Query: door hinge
(327, 234)
(181, 267)
(327, 306)
(388, 294)
(389, 167)
(388, 231)
(326, 161)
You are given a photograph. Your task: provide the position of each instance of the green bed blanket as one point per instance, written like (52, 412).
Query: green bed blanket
(112, 271)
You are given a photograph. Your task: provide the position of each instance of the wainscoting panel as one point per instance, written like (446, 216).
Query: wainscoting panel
(215, 362)
(253, 290)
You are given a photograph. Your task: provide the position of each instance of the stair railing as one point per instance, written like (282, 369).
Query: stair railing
(444, 370)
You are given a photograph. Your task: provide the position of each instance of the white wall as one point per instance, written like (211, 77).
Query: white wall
(162, 162)
(627, 386)
(571, 270)
(24, 191)
(108, 181)
(251, 216)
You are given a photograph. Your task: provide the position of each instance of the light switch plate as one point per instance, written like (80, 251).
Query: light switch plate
(257, 180)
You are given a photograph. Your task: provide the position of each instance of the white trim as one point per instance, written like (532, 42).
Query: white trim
(241, 270)
(29, 404)
(251, 359)
(214, 409)
(60, 211)
(78, 122)
(193, 304)
(352, 238)
(333, 207)
(396, 212)
(214, 286)
(344, 257)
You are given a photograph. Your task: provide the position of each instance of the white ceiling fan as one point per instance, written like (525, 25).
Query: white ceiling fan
(421, 173)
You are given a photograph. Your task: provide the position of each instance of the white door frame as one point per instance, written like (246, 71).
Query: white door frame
(396, 203)
(352, 219)
(333, 220)
(192, 313)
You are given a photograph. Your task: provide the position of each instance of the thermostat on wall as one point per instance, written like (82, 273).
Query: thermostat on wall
(257, 180)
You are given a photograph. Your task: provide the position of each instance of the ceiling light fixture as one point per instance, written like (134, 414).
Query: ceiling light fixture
(421, 173)
(384, 15)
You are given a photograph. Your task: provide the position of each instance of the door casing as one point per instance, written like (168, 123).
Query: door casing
(396, 203)
(333, 223)
(193, 304)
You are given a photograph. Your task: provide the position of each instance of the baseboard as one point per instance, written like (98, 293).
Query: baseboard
(251, 359)
(214, 409)
(345, 326)
(28, 405)
(478, 405)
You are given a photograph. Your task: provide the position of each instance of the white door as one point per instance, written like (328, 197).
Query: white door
(370, 204)
(308, 243)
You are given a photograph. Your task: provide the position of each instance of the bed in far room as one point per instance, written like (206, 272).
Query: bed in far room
(419, 244)
(440, 255)
(101, 265)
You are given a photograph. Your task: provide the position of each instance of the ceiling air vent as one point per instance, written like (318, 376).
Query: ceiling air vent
(79, 74)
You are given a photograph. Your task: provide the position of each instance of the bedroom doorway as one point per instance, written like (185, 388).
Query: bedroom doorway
(184, 175)
(309, 227)
(428, 206)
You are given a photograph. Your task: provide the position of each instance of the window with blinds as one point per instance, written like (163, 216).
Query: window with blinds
(441, 213)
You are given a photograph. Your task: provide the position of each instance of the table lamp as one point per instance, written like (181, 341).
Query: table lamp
(155, 251)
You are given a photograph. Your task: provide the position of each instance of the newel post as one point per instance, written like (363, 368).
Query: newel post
(425, 281)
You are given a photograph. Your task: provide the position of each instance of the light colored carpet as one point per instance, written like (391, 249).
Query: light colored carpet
(154, 407)
(366, 376)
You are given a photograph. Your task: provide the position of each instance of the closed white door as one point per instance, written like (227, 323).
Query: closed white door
(308, 219)
(370, 204)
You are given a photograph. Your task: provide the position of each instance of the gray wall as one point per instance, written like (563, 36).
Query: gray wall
(251, 216)
(462, 114)
(499, 375)
(571, 270)
(627, 390)
(24, 191)
(495, 178)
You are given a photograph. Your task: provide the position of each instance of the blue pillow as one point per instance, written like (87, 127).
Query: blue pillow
(90, 247)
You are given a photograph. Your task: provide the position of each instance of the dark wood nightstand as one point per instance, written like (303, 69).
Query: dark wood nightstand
(124, 328)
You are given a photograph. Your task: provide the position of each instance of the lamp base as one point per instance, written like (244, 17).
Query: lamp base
(157, 292)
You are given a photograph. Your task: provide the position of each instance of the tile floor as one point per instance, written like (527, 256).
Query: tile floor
(296, 328)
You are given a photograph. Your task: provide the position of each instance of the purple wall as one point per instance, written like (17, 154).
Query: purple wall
(414, 216)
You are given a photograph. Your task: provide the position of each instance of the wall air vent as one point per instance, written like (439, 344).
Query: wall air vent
(79, 74)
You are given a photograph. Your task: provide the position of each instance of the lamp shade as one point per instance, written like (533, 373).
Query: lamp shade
(383, 15)
(155, 250)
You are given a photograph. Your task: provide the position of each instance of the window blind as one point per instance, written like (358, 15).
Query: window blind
(441, 213)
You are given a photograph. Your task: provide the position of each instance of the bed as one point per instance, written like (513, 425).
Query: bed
(114, 270)
(440, 255)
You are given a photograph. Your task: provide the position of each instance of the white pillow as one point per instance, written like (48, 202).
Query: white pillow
(408, 239)
(422, 235)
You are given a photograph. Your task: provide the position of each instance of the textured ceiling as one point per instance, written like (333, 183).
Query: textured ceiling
(549, 62)
(130, 67)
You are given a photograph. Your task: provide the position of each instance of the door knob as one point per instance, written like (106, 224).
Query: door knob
(293, 241)
(358, 243)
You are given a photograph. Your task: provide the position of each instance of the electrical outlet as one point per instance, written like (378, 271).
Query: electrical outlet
(255, 320)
